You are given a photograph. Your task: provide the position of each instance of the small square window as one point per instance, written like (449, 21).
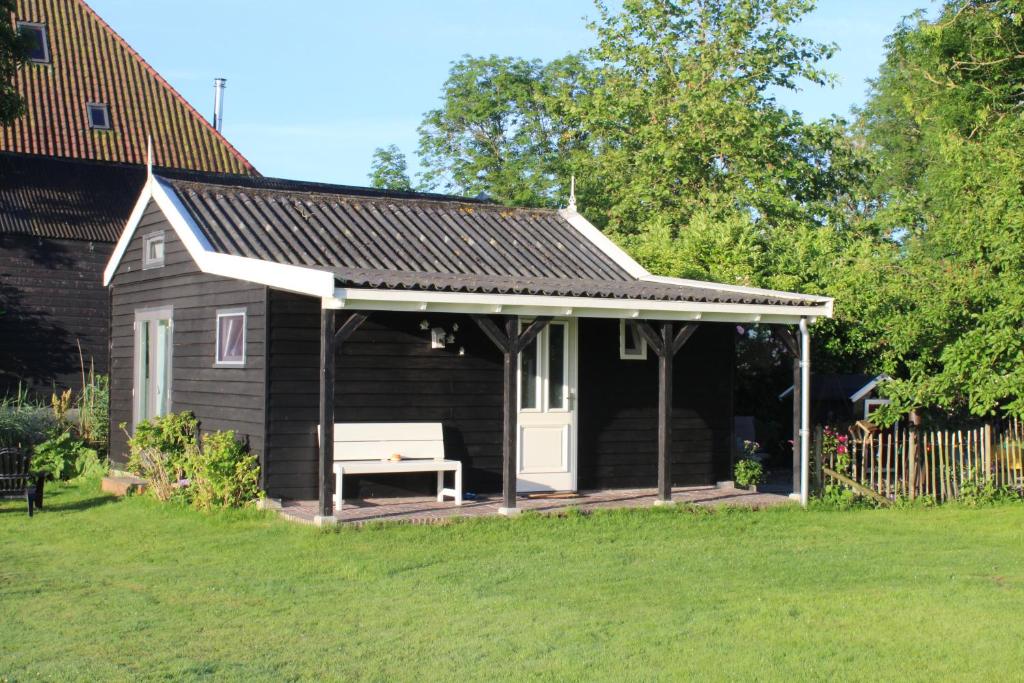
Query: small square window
(632, 345)
(231, 337)
(153, 250)
(39, 44)
(99, 116)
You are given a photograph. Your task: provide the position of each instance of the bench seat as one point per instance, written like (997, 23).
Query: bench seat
(366, 448)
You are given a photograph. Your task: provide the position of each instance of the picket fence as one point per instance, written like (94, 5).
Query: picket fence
(901, 462)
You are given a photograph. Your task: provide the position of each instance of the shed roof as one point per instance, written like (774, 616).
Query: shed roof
(382, 248)
(91, 63)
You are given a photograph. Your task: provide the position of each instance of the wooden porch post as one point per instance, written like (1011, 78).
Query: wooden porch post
(665, 344)
(330, 339)
(510, 342)
(327, 360)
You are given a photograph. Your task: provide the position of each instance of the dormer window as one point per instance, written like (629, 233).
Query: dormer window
(99, 116)
(39, 44)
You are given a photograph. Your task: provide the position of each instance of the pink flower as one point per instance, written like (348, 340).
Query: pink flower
(840, 449)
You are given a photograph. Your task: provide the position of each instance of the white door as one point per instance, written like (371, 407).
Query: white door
(547, 410)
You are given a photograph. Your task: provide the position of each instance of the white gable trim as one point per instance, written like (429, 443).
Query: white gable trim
(627, 263)
(869, 387)
(318, 283)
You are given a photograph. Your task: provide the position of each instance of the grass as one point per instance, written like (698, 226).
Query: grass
(97, 589)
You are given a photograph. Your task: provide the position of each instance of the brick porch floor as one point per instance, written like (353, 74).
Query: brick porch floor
(427, 510)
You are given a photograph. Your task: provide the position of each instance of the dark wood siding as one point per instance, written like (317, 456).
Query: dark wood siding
(618, 419)
(222, 398)
(52, 297)
(387, 372)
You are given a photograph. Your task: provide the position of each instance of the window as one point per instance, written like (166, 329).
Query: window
(529, 376)
(632, 345)
(39, 44)
(872, 404)
(231, 337)
(99, 116)
(153, 250)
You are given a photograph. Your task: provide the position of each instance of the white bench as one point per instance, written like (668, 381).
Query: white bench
(367, 448)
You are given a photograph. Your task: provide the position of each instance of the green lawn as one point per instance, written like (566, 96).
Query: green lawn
(97, 589)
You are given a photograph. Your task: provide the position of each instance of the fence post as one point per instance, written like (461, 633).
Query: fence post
(915, 424)
(817, 459)
(988, 451)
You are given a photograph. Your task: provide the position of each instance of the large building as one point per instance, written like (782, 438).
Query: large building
(69, 170)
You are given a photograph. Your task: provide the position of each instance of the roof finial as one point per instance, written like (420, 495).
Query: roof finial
(149, 155)
(572, 193)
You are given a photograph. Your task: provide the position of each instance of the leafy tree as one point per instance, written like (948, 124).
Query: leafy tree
(939, 298)
(389, 169)
(13, 55)
(502, 130)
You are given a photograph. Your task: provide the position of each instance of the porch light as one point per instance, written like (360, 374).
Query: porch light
(424, 325)
(462, 350)
(450, 339)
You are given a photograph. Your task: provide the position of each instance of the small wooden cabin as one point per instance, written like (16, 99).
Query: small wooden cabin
(552, 359)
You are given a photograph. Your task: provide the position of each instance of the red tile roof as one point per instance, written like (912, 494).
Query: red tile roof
(90, 63)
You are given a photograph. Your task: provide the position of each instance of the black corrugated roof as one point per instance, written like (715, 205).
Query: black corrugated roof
(66, 199)
(387, 240)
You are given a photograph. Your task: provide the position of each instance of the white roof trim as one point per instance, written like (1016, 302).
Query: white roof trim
(627, 263)
(321, 283)
(580, 307)
(298, 279)
(869, 387)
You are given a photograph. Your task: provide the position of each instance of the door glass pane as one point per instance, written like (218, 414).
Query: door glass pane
(556, 367)
(528, 377)
(142, 391)
(161, 379)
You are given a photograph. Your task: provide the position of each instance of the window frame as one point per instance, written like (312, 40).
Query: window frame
(870, 403)
(624, 353)
(45, 40)
(148, 239)
(229, 313)
(98, 106)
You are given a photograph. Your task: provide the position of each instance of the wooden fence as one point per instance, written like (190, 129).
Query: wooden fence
(899, 462)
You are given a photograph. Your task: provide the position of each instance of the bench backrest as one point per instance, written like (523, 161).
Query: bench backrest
(14, 471)
(381, 440)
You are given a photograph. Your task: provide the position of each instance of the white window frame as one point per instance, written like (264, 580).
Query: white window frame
(106, 115)
(624, 354)
(870, 403)
(148, 262)
(227, 313)
(151, 315)
(47, 57)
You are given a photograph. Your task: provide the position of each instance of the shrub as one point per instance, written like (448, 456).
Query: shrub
(165, 441)
(65, 456)
(839, 497)
(974, 493)
(748, 472)
(94, 411)
(222, 473)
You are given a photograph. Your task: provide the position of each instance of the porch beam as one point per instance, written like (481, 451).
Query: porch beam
(331, 339)
(327, 356)
(666, 343)
(510, 342)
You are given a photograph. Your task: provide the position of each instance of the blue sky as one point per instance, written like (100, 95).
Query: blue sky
(315, 85)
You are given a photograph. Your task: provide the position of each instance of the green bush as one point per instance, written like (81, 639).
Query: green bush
(25, 423)
(170, 436)
(748, 472)
(215, 471)
(64, 456)
(222, 473)
(839, 497)
(94, 411)
(974, 493)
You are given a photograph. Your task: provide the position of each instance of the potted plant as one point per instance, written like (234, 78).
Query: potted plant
(748, 471)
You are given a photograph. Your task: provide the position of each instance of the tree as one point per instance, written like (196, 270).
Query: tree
(502, 130)
(389, 170)
(13, 55)
(939, 297)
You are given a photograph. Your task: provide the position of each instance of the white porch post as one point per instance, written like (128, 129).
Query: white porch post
(805, 410)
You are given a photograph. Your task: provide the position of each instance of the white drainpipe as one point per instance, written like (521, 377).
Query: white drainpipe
(805, 410)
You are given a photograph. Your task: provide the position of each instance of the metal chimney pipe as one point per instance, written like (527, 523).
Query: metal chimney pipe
(218, 102)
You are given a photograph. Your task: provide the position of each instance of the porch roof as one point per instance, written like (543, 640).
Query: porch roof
(373, 249)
